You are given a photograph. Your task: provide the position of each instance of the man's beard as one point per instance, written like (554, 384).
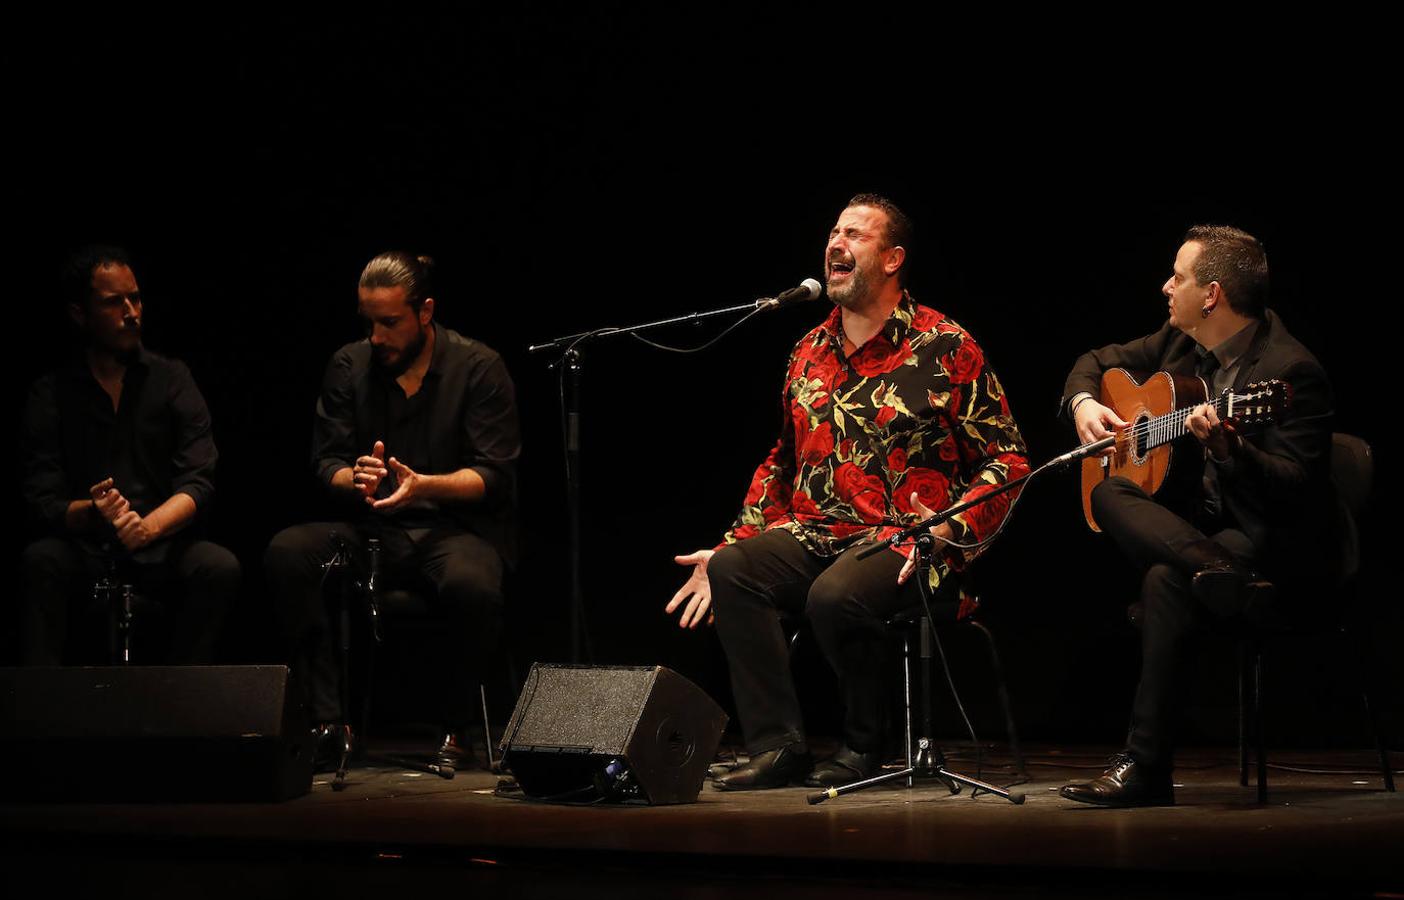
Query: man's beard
(854, 292)
(406, 357)
(124, 346)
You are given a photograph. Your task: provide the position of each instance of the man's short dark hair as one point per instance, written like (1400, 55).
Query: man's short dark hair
(899, 227)
(1235, 259)
(396, 268)
(76, 277)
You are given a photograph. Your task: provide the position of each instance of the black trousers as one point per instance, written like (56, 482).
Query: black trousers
(196, 581)
(1170, 550)
(460, 573)
(846, 601)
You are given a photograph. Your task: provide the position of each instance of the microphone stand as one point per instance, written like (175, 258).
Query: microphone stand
(929, 761)
(571, 348)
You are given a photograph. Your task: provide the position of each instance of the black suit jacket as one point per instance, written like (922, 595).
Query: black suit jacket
(1278, 485)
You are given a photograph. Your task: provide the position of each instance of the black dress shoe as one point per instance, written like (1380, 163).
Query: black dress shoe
(1125, 783)
(771, 769)
(1231, 590)
(329, 741)
(844, 767)
(454, 752)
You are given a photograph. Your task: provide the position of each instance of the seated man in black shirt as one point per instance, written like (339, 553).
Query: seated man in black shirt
(119, 461)
(416, 434)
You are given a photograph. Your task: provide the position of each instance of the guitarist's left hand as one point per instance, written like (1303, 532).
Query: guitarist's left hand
(1218, 437)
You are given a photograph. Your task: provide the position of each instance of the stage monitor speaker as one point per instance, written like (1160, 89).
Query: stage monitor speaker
(153, 733)
(624, 733)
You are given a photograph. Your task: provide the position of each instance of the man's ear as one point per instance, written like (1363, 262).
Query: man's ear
(894, 262)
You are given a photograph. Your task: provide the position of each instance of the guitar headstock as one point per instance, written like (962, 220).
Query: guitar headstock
(1260, 403)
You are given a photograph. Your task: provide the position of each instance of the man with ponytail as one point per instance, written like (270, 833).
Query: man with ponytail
(415, 437)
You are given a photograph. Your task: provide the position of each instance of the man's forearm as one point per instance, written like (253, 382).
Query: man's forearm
(170, 517)
(343, 479)
(463, 486)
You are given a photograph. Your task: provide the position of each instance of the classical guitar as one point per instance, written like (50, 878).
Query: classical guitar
(1156, 411)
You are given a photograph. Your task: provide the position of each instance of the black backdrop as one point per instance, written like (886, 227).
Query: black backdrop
(576, 170)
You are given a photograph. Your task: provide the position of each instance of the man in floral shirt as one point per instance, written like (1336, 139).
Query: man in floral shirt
(890, 413)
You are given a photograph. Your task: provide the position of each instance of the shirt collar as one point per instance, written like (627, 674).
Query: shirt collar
(437, 357)
(77, 365)
(1231, 351)
(894, 329)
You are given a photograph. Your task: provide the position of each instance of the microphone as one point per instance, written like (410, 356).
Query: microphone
(1084, 450)
(809, 289)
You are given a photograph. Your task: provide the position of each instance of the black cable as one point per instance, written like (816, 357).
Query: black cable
(924, 589)
(730, 328)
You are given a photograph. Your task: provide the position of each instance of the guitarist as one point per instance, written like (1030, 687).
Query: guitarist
(1265, 501)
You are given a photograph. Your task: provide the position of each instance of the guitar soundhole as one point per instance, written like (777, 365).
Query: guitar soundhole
(1141, 437)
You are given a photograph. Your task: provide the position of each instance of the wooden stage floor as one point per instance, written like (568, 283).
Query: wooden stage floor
(392, 831)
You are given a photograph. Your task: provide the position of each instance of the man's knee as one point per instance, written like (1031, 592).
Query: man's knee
(208, 578)
(1111, 495)
(471, 587)
(213, 565)
(724, 570)
(470, 577)
(297, 550)
(726, 564)
(832, 601)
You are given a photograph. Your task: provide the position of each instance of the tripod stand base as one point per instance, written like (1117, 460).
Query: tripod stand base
(929, 762)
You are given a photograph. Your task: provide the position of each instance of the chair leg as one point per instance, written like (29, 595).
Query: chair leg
(1362, 671)
(487, 727)
(1004, 703)
(907, 698)
(1242, 714)
(1258, 721)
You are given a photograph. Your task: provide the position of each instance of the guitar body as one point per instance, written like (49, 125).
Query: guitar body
(1138, 402)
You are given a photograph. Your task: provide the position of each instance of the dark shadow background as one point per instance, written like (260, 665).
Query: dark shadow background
(575, 170)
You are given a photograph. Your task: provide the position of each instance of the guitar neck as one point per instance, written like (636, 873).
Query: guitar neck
(1163, 429)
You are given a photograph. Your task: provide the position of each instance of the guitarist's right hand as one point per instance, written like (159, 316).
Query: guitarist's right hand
(1095, 421)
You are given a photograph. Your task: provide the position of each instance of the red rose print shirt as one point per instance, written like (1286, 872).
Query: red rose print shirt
(915, 409)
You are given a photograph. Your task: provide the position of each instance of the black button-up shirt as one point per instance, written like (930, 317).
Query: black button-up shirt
(464, 415)
(157, 443)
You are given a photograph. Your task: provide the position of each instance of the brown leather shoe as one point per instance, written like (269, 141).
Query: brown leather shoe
(771, 769)
(844, 767)
(454, 753)
(1125, 783)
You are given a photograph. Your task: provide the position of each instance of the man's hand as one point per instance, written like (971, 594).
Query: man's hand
(133, 531)
(1095, 421)
(1217, 436)
(366, 475)
(696, 592)
(943, 532)
(108, 502)
(407, 485)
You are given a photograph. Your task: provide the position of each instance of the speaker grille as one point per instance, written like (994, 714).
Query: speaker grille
(609, 698)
